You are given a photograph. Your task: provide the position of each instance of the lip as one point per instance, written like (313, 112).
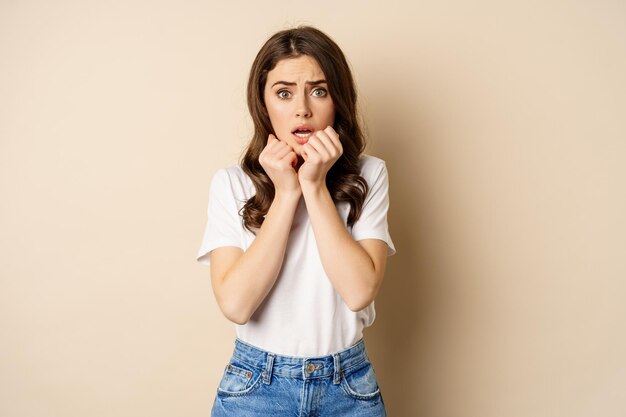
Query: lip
(299, 139)
(307, 127)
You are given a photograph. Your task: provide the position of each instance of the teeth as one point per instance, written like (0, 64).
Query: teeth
(302, 135)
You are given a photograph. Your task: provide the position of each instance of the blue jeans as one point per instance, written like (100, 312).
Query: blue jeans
(261, 383)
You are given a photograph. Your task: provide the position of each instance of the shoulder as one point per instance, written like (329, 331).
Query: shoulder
(231, 171)
(372, 167)
(230, 174)
(232, 178)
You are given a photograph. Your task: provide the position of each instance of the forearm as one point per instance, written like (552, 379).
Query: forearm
(250, 279)
(347, 264)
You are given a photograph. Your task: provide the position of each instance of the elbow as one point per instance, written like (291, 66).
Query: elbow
(230, 307)
(237, 316)
(234, 312)
(358, 304)
(238, 320)
(364, 298)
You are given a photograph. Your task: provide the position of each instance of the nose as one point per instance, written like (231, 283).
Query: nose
(303, 109)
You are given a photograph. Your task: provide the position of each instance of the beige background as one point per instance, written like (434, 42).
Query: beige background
(504, 128)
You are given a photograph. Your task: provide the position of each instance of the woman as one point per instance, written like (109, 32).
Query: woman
(297, 240)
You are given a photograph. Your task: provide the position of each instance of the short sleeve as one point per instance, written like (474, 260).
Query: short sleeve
(224, 224)
(372, 224)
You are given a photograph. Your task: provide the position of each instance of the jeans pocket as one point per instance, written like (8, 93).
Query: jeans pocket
(239, 378)
(361, 383)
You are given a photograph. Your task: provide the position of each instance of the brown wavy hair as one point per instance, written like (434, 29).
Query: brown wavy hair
(343, 179)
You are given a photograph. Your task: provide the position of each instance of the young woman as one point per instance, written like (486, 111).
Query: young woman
(297, 240)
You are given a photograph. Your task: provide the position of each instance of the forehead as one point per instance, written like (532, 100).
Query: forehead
(302, 68)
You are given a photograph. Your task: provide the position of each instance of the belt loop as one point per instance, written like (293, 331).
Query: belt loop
(337, 372)
(267, 373)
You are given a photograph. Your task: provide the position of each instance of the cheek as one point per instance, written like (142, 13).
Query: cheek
(329, 109)
(271, 108)
(330, 115)
(274, 115)
(279, 125)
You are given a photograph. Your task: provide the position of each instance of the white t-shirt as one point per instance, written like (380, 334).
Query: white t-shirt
(303, 314)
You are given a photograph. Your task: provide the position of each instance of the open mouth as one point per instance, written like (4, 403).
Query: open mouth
(302, 134)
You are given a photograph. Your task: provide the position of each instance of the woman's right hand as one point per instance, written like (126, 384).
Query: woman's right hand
(279, 160)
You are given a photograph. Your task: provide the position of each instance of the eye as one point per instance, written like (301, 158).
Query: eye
(320, 92)
(283, 94)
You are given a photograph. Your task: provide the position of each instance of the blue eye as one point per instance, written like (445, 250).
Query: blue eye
(283, 96)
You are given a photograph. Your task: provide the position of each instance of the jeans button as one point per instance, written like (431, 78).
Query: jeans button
(310, 368)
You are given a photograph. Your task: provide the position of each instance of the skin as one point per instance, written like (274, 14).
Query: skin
(356, 269)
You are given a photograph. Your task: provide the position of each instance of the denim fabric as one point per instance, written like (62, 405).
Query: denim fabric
(261, 383)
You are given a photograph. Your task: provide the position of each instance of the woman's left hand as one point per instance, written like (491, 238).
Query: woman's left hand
(320, 153)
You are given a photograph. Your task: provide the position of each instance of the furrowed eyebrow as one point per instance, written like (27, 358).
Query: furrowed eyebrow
(317, 82)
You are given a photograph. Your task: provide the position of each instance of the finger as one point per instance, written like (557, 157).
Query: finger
(304, 153)
(318, 143)
(325, 140)
(311, 153)
(329, 143)
(291, 158)
(271, 140)
(334, 137)
(282, 151)
(267, 154)
(276, 145)
(331, 131)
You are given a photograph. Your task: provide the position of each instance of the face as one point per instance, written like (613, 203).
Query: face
(297, 100)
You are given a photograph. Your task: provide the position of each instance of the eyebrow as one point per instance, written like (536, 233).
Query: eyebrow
(317, 82)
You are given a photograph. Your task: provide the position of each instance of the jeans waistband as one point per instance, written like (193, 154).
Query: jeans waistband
(309, 367)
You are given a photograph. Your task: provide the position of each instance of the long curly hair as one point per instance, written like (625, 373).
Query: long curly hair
(343, 180)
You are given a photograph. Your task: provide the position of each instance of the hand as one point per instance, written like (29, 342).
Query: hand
(279, 160)
(320, 153)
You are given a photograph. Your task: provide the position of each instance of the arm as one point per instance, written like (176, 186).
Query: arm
(242, 280)
(356, 269)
